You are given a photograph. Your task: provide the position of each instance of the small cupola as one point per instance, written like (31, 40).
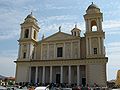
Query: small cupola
(92, 9)
(75, 31)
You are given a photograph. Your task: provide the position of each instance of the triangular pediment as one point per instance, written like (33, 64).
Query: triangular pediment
(59, 36)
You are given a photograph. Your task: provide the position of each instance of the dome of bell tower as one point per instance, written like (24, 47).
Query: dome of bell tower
(92, 9)
(30, 18)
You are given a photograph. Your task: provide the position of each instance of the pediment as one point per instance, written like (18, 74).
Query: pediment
(59, 36)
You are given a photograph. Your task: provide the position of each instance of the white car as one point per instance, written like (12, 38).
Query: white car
(41, 88)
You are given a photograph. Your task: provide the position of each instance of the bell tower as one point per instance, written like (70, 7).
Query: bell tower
(75, 31)
(28, 38)
(94, 33)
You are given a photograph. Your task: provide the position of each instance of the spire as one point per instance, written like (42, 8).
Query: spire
(92, 2)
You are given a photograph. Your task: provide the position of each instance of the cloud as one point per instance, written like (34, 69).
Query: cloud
(113, 52)
(12, 14)
(114, 44)
(65, 27)
(9, 53)
(50, 25)
(58, 18)
(7, 65)
(113, 48)
(53, 7)
(112, 71)
(10, 24)
(112, 27)
(111, 24)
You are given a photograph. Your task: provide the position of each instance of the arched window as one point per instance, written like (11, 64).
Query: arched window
(94, 28)
(24, 55)
(93, 25)
(26, 34)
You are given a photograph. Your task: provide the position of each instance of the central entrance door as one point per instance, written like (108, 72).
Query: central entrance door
(57, 78)
(84, 81)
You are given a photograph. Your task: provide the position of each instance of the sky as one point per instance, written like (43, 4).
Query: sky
(50, 15)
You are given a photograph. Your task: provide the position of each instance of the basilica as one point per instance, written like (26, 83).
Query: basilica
(62, 57)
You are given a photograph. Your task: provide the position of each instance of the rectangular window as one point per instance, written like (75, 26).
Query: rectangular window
(95, 50)
(24, 55)
(59, 51)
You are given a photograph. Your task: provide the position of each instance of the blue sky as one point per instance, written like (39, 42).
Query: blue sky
(50, 15)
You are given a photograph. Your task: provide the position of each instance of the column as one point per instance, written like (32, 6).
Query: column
(50, 74)
(87, 46)
(28, 50)
(22, 33)
(19, 53)
(30, 33)
(36, 74)
(61, 75)
(87, 73)
(100, 20)
(34, 56)
(71, 49)
(99, 42)
(41, 51)
(69, 75)
(29, 74)
(89, 25)
(48, 51)
(64, 50)
(79, 50)
(43, 76)
(98, 25)
(54, 50)
(78, 75)
(103, 47)
(90, 46)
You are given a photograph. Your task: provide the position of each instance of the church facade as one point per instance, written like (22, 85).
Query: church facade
(62, 57)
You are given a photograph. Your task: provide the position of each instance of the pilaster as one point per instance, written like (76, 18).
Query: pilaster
(43, 75)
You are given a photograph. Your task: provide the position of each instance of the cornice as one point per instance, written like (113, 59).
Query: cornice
(64, 62)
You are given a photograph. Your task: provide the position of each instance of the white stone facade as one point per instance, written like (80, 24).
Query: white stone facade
(61, 57)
